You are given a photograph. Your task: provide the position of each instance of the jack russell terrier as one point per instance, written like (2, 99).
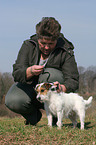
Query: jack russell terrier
(69, 105)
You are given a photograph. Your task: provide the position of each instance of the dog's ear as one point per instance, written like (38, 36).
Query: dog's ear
(37, 86)
(47, 85)
(53, 88)
(56, 86)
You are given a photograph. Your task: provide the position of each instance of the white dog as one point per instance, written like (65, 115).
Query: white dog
(62, 104)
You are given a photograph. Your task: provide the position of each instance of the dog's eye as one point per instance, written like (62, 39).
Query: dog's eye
(42, 90)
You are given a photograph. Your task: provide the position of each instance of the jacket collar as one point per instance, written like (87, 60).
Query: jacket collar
(63, 43)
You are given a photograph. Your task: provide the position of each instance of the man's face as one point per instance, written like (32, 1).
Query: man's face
(46, 46)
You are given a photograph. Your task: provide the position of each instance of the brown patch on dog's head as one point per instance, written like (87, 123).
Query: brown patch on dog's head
(46, 85)
(43, 88)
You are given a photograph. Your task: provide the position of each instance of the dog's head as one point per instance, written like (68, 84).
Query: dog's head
(43, 89)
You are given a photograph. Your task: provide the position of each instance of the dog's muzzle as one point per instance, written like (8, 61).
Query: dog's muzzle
(39, 98)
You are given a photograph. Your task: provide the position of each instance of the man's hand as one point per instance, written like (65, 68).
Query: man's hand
(34, 70)
(61, 88)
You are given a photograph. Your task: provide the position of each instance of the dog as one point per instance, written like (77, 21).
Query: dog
(60, 105)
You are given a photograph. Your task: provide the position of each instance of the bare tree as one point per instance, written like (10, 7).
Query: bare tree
(81, 70)
(6, 81)
(87, 81)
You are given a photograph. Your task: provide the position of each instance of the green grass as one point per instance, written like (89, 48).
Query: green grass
(13, 131)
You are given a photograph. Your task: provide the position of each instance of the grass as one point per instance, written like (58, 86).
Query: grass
(14, 132)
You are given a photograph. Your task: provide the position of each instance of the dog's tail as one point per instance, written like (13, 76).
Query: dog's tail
(88, 102)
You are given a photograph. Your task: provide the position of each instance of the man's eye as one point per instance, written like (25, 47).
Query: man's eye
(42, 90)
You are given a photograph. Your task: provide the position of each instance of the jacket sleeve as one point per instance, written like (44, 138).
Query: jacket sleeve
(70, 72)
(21, 64)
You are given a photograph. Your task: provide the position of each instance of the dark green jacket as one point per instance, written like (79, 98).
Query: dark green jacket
(61, 58)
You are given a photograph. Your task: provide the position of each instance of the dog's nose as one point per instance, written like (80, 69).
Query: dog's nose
(39, 98)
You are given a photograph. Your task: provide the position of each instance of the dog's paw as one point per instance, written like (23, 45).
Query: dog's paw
(50, 126)
(82, 128)
(59, 125)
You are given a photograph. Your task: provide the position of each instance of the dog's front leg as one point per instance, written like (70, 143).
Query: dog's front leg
(59, 122)
(49, 115)
(49, 120)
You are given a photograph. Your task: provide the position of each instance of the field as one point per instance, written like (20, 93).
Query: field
(14, 132)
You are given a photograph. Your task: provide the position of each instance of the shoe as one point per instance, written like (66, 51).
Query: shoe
(32, 119)
(26, 122)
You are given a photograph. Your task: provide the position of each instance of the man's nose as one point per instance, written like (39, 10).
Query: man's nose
(46, 46)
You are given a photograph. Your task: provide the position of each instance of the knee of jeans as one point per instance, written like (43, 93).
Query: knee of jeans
(13, 105)
(16, 104)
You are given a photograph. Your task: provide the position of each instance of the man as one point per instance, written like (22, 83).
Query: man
(46, 57)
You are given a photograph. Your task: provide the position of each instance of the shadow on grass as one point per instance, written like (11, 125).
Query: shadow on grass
(86, 125)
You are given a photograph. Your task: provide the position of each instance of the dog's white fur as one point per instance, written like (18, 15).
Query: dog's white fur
(69, 105)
